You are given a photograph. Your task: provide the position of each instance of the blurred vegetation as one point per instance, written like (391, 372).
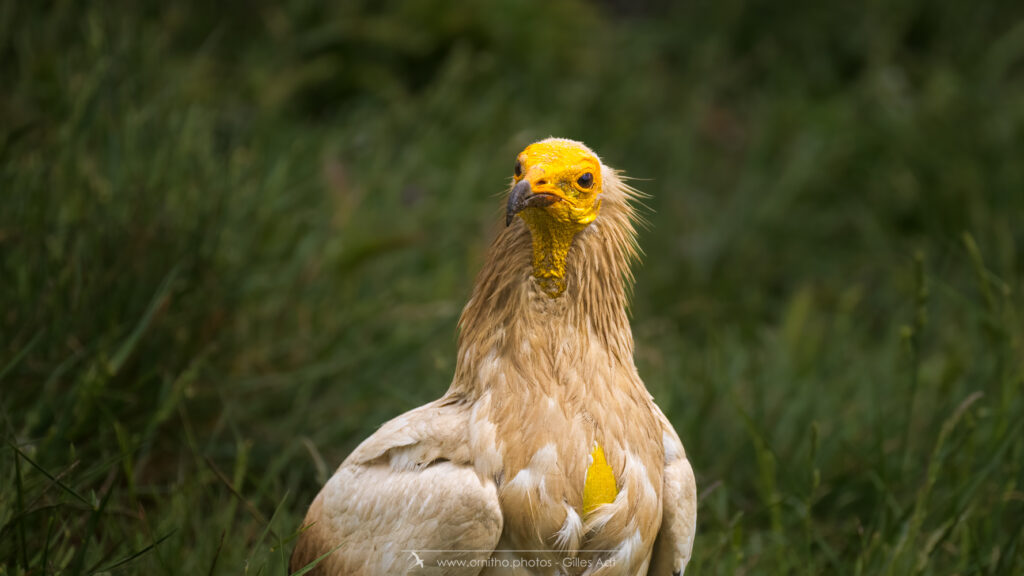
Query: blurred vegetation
(235, 238)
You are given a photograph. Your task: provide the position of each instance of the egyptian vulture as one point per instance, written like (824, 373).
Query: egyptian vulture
(547, 455)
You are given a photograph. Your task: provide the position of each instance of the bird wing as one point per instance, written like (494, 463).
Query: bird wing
(674, 543)
(406, 501)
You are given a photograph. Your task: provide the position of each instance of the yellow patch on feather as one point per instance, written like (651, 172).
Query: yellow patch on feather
(599, 487)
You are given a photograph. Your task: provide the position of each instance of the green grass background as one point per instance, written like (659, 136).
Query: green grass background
(236, 239)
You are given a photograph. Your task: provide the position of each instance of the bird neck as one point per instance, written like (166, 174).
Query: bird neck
(513, 318)
(551, 240)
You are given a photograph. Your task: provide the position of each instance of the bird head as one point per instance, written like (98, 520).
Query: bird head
(557, 185)
(557, 192)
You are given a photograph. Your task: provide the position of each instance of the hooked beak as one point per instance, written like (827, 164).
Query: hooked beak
(522, 197)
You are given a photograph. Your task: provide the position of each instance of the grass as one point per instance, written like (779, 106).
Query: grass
(235, 240)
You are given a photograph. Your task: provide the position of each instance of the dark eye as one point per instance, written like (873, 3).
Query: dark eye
(585, 181)
(519, 169)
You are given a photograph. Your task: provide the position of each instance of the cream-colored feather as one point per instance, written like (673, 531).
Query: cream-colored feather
(406, 500)
(674, 545)
(495, 470)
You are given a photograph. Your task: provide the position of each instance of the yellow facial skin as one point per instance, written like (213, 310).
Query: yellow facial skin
(570, 175)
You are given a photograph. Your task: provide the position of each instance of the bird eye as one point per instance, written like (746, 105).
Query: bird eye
(586, 180)
(519, 169)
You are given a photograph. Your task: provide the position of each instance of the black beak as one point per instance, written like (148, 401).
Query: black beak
(523, 197)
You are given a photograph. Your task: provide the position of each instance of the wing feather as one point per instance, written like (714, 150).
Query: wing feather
(674, 544)
(404, 502)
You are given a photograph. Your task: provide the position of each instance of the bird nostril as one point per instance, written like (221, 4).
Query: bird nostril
(541, 182)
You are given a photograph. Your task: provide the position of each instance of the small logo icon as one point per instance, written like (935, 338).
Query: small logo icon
(417, 559)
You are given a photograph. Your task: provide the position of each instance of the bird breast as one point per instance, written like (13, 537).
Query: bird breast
(578, 465)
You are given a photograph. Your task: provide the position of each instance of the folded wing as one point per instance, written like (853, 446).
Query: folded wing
(405, 502)
(679, 516)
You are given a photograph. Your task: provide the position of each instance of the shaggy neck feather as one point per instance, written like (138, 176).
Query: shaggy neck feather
(510, 303)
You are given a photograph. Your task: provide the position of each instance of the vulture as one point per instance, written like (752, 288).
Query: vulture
(547, 455)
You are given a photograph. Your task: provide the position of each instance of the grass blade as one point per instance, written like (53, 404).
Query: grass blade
(135, 555)
(21, 512)
(314, 563)
(216, 554)
(54, 479)
(128, 346)
(20, 355)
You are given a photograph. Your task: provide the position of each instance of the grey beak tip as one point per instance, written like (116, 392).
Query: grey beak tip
(516, 200)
